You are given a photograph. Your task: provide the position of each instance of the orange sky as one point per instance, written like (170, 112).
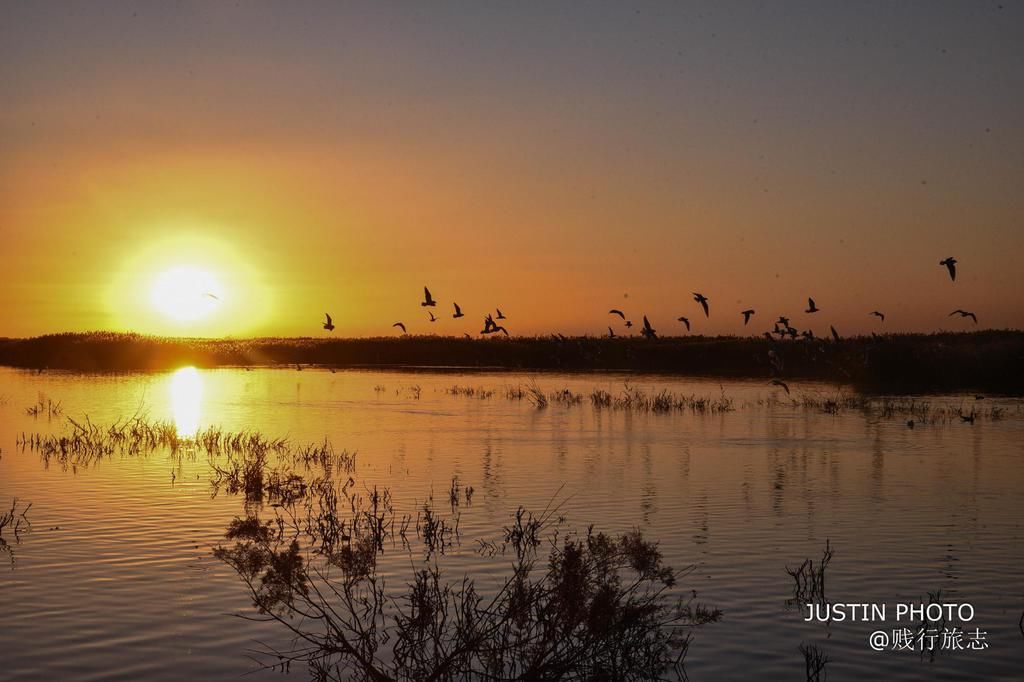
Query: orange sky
(547, 161)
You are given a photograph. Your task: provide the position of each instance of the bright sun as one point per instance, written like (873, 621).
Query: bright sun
(186, 293)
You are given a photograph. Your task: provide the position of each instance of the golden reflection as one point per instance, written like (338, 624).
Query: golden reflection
(186, 400)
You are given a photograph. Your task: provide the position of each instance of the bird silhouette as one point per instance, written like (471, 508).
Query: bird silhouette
(213, 296)
(458, 311)
(611, 333)
(880, 316)
(781, 384)
(648, 331)
(703, 300)
(686, 321)
(784, 321)
(501, 316)
(746, 315)
(811, 308)
(964, 313)
(950, 264)
(616, 311)
(492, 327)
(400, 326)
(807, 334)
(835, 334)
(768, 335)
(328, 325)
(629, 323)
(967, 418)
(427, 298)
(432, 318)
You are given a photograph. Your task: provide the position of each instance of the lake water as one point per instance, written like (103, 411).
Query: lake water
(116, 579)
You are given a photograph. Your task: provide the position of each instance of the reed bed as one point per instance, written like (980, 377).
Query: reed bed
(991, 360)
(470, 392)
(45, 406)
(88, 442)
(915, 410)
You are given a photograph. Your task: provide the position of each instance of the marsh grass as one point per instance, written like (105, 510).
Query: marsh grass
(920, 411)
(470, 392)
(536, 396)
(45, 406)
(88, 442)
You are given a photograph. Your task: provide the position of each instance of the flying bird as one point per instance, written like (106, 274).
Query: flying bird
(629, 323)
(400, 326)
(432, 318)
(648, 331)
(835, 334)
(686, 321)
(811, 308)
(328, 325)
(490, 325)
(616, 311)
(782, 384)
(784, 321)
(427, 299)
(746, 315)
(501, 316)
(950, 264)
(611, 333)
(458, 311)
(880, 316)
(213, 296)
(964, 313)
(703, 300)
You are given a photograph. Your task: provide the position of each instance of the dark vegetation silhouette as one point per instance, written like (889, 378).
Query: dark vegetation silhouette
(15, 521)
(571, 606)
(984, 361)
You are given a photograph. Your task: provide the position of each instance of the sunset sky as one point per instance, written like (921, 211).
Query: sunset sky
(554, 160)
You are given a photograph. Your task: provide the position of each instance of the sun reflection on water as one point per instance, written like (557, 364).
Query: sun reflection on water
(186, 400)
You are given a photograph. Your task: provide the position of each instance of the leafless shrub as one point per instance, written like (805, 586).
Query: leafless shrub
(809, 578)
(815, 661)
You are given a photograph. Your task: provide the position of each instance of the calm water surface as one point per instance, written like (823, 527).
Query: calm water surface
(116, 579)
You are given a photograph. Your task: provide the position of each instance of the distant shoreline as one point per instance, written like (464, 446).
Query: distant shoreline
(904, 363)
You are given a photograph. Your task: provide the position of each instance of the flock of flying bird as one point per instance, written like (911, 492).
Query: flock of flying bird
(491, 325)
(782, 327)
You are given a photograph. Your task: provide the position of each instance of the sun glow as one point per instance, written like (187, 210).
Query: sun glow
(187, 293)
(189, 283)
